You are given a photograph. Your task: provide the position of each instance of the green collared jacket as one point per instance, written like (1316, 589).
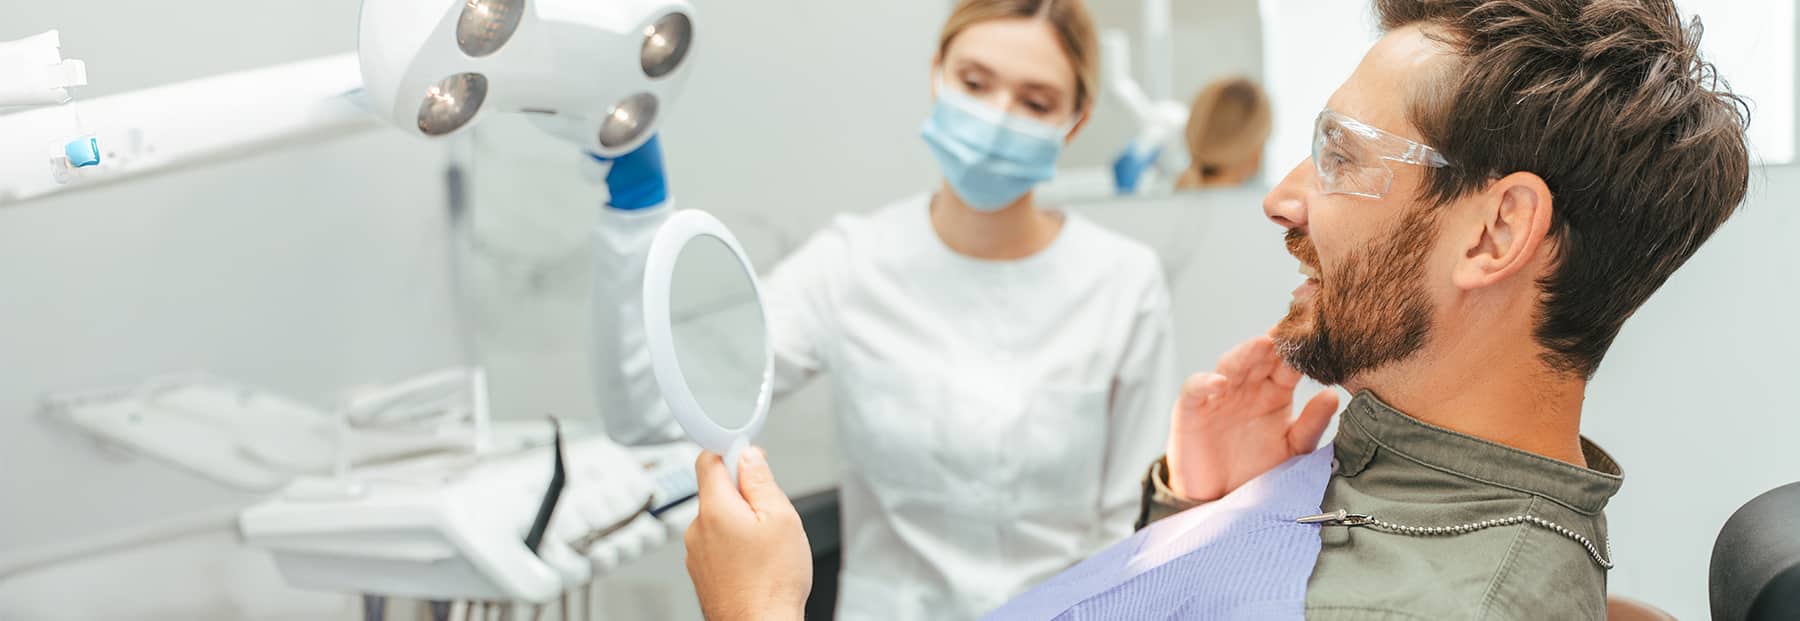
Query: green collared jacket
(1397, 469)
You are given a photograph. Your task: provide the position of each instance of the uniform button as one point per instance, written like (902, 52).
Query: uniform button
(1334, 464)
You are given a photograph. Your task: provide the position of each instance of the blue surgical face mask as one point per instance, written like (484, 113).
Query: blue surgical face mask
(990, 158)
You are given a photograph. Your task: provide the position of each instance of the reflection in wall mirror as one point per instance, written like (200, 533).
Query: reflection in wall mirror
(1228, 125)
(1157, 55)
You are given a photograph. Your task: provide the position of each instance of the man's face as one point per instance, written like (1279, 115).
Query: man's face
(1368, 300)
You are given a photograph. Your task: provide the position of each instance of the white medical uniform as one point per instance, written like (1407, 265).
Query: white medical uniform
(994, 416)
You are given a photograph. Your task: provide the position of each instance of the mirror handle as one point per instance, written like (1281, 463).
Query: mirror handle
(733, 454)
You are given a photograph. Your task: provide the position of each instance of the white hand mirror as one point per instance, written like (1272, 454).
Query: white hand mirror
(707, 339)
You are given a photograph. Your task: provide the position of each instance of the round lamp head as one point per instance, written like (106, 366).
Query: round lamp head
(598, 73)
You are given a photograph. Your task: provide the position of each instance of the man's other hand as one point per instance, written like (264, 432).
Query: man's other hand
(1237, 422)
(746, 551)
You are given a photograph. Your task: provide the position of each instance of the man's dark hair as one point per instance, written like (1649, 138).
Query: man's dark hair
(1640, 141)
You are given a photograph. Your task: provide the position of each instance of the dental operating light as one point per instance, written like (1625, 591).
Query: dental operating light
(596, 73)
(600, 74)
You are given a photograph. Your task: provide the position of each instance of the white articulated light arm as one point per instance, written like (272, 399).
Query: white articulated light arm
(181, 125)
(1119, 82)
(1159, 52)
(1158, 119)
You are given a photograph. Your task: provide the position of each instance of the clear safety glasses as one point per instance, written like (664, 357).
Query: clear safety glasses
(1351, 157)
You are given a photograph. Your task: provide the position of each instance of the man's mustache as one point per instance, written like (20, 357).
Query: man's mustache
(1301, 247)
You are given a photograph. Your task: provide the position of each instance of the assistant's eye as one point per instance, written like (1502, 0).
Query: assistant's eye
(973, 85)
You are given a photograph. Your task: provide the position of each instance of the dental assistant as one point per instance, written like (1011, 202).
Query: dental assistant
(1000, 370)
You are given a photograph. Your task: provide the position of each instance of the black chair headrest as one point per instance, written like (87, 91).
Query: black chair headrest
(1756, 561)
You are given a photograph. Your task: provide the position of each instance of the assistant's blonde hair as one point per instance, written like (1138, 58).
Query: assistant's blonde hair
(1226, 130)
(1069, 18)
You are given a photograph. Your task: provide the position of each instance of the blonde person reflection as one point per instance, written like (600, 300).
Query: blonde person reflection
(1226, 130)
(999, 369)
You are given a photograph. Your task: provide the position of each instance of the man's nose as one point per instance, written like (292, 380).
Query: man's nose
(1285, 204)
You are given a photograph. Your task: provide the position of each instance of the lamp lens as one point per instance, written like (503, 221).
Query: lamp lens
(485, 25)
(628, 120)
(666, 44)
(449, 104)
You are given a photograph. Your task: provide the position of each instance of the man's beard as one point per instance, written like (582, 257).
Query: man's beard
(1371, 311)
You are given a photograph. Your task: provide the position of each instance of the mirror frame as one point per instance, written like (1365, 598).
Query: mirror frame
(681, 228)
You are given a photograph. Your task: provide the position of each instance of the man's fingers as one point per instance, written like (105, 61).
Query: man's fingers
(1235, 362)
(718, 493)
(1202, 391)
(1264, 361)
(1304, 434)
(1286, 376)
(757, 483)
(1194, 387)
(1199, 388)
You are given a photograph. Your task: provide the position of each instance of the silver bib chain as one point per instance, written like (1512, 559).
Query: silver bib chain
(1345, 518)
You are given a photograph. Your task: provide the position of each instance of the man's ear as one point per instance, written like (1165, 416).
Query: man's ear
(1509, 226)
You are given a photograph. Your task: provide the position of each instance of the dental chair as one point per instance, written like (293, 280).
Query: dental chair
(1755, 573)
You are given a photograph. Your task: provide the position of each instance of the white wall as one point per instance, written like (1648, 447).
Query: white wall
(1752, 42)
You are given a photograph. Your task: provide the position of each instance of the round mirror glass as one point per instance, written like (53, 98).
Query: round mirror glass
(716, 322)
